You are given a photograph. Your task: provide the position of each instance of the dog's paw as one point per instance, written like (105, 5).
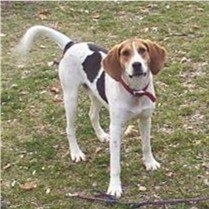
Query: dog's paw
(77, 156)
(104, 137)
(115, 190)
(151, 164)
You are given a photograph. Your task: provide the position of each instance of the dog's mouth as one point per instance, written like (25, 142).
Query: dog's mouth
(138, 74)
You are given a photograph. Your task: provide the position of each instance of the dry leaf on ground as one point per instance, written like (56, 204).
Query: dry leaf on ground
(28, 185)
(131, 131)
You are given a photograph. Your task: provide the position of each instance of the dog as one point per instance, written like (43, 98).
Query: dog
(120, 79)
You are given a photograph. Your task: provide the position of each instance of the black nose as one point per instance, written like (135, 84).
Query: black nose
(137, 68)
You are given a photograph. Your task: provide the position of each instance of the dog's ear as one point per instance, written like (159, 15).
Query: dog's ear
(111, 63)
(157, 56)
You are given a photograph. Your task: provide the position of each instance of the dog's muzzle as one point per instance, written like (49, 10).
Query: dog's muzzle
(137, 70)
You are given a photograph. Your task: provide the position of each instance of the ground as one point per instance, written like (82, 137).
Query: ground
(37, 172)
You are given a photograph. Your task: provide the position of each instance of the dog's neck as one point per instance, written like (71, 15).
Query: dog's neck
(137, 83)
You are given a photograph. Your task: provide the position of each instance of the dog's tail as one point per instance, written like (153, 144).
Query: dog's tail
(27, 40)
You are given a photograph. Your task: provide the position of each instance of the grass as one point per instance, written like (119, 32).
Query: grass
(34, 145)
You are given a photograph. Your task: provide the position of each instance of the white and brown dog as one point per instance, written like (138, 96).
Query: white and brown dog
(121, 80)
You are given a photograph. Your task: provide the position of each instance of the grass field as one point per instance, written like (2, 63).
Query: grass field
(36, 168)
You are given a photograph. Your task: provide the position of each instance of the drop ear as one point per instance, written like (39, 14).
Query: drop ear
(157, 56)
(111, 63)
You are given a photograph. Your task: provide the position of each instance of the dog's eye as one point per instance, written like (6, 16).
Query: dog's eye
(141, 50)
(125, 53)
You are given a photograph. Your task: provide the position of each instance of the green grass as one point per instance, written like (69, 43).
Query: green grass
(34, 145)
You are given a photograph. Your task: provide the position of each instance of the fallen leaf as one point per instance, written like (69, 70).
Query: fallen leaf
(131, 131)
(96, 16)
(200, 9)
(98, 149)
(28, 186)
(167, 7)
(55, 90)
(142, 188)
(197, 142)
(169, 174)
(7, 166)
(43, 92)
(57, 98)
(20, 66)
(48, 190)
(158, 188)
(94, 184)
(185, 59)
(14, 182)
(154, 29)
(43, 14)
(42, 46)
(2, 35)
(205, 164)
(49, 64)
(196, 27)
(62, 8)
(34, 172)
(14, 85)
(24, 92)
(146, 30)
(72, 194)
(65, 154)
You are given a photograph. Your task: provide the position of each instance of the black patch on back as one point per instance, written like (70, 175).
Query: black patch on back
(101, 87)
(67, 46)
(92, 63)
(94, 47)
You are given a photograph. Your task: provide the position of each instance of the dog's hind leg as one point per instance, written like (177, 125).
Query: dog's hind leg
(70, 100)
(94, 117)
(70, 85)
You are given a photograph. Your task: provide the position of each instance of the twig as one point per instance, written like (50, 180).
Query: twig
(103, 198)
(170, 202)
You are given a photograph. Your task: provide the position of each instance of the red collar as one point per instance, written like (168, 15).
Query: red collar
(138, 93)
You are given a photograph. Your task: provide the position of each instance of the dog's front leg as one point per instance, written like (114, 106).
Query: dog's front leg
(115, 168)
(148, 158)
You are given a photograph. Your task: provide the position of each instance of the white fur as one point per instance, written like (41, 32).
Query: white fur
(121, 104)
(27, 40)
(135, 58)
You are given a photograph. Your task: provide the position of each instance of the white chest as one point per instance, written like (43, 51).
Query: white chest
(139, 107)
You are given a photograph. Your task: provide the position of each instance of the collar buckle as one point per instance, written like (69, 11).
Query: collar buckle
(138, 92)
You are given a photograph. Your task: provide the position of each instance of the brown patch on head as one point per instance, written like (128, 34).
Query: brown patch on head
(157, 56)
(142, 49)
(111, 63)
(126, 52)
(115, 61)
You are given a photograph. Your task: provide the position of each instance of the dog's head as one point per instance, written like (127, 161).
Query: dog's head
(135, 57)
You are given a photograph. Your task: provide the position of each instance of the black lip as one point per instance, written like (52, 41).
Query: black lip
(137, 75)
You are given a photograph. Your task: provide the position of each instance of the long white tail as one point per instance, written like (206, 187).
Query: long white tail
(27, 40)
